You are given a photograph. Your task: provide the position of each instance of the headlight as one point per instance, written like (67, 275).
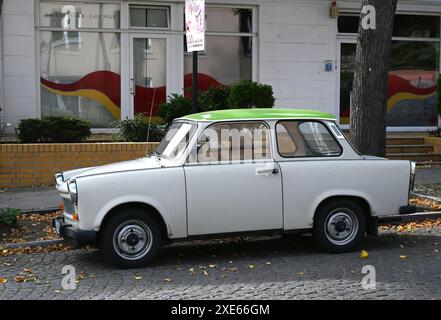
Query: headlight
(72, 186)
(59, 179)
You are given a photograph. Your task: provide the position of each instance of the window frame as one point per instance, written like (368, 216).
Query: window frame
(302, 121)
(231, 162)
(146, 7)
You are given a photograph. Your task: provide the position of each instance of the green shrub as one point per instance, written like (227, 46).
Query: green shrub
(137, 129)
(53, 129)
(215, 98)
(9, 215)
(175, 107)
(438, 104)
(248, 94)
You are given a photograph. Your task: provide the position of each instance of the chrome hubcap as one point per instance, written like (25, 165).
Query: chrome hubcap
(341, 226)
(132, 240)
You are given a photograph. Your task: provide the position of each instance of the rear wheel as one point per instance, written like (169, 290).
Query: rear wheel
(339, 226)
(131, 238)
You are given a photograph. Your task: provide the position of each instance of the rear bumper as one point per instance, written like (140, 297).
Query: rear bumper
(67, 231)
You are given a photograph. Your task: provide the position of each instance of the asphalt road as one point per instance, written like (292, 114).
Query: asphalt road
(252, 268)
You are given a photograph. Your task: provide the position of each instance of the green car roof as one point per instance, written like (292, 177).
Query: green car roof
(260, 113)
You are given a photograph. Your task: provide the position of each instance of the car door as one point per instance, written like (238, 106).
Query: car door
(233, 183)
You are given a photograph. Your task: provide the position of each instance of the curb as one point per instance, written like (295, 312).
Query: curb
(437, 199)
(32, 244)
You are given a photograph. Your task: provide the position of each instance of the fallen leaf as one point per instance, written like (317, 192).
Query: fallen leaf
(137, 277)
(403, 257)
(212, 266)
(364, 254)
(301, 273)
(268, 263)
(3, 280)
(250, 266)
(205, 273)
(167, 280)
(27, 270)
(232, 269)
(19, 279)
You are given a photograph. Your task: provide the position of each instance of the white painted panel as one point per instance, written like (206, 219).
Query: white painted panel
(295, 33)
(18, 86)
(297, 14)
(382, 183)
(295, 52)
(18, 7)
(295, 71)
(18, 45)
(18, 25)
(303, 89)
(16, 108)
(232, 198)
(18, 66)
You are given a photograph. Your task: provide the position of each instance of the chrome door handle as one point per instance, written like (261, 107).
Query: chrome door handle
(267, 170)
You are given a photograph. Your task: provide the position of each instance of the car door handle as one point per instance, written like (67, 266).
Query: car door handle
(266, 171)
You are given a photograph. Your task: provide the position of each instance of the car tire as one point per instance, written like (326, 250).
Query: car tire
(339, 226)
(131, 238)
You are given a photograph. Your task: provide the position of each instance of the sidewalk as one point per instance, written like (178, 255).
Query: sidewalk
(47, 197)
(29, 199)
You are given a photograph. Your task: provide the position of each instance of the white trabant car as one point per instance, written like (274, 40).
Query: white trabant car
(235, 171)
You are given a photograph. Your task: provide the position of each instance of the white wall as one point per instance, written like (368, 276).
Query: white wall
(18, 55)
(295, 40)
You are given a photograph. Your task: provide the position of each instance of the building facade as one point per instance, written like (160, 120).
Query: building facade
(109, 60)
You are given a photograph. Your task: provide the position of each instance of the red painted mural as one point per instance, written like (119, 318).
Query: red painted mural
(105, 88)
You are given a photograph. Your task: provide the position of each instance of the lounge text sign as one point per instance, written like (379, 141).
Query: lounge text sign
(195, 25)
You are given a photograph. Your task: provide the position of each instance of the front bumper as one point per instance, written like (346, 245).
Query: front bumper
(67, 231)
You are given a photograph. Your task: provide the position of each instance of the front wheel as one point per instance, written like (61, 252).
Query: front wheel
(131, 239)
(339, 226)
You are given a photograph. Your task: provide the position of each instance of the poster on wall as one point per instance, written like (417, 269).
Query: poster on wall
(195, 25)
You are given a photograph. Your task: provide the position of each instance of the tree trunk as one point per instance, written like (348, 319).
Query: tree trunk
(369, 97)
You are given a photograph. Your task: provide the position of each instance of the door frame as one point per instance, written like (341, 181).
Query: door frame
(168, 69)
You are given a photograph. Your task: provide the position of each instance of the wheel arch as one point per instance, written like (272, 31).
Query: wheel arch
(147, 208)
(364, 204)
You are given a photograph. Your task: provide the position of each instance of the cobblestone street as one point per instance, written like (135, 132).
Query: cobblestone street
(250, 268)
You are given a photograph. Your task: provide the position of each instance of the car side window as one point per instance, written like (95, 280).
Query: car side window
(232, 142)
(306, 139)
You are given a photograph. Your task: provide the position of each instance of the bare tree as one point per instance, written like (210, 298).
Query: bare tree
(369, 99)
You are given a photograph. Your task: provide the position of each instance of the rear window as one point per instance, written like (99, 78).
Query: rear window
(306, 139)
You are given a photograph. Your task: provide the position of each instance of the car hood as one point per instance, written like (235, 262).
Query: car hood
(138, 164)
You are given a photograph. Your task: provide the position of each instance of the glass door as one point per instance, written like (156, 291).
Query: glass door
(148, 74)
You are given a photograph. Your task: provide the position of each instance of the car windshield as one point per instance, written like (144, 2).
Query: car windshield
(175, 141)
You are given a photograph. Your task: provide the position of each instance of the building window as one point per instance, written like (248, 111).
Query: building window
(80, 70)
(228, 55)
(149, 17)
(414, 69)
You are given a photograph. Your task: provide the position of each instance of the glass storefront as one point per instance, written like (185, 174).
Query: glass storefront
(414, 69)
(228, 55)
(80, 71)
